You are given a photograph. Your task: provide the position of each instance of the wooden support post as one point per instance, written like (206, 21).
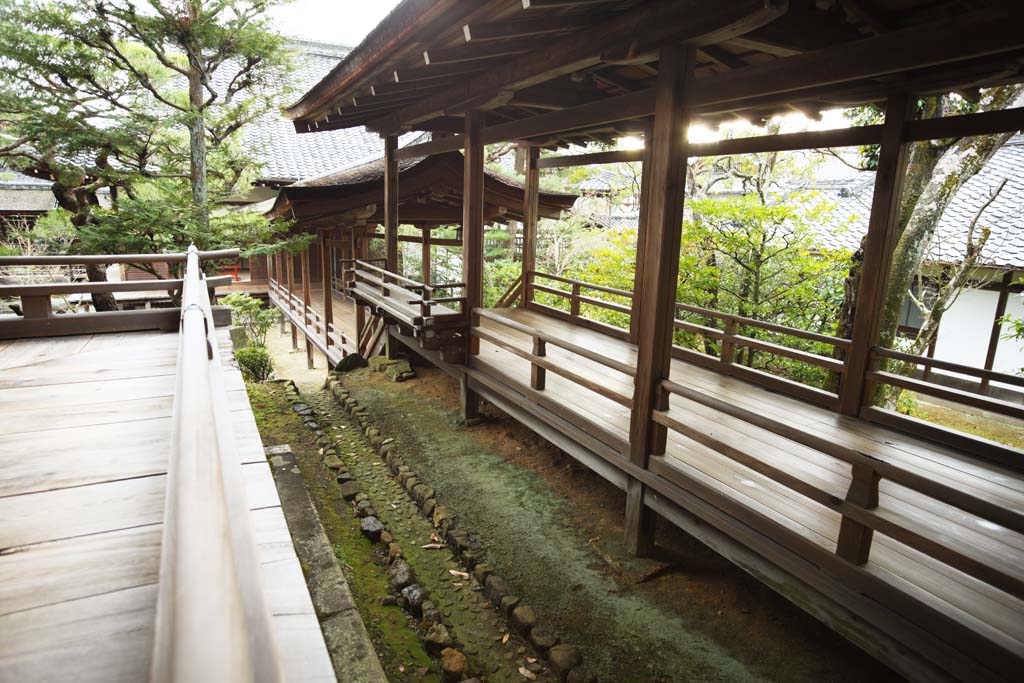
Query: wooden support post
(574, 301)
(291, 294)
(391, 203)
(641, 235)
(426, 256)
(538, 375)
(728, 345)
(326, 266)
(993, 340)
(878, 248)
(472, 246)
(306, 300)
(854, 543)
(665, 188)
(531, 211)
(36, 306)
(279, 282)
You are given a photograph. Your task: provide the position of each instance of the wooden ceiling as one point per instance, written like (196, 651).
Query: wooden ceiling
(431, 60)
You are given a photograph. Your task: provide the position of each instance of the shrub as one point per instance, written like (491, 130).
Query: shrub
(255, 363)
(248, 312)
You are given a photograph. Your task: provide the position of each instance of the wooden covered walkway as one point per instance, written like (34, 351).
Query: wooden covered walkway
(87, 436)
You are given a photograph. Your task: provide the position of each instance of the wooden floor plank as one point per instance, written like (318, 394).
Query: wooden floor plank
(106, 637)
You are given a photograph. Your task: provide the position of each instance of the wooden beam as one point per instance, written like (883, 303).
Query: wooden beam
(664, 204)
(997, 327)
(425, 258)
(983, 123)
(306, 300)
(665, 21)
(425, 149)
(879, 245)
(531, 193)
(291, 292)
(521, 28)
(984, 32)
(480, 51)
(636, 302)
(473, 218)
(326, 266)
(391, 202)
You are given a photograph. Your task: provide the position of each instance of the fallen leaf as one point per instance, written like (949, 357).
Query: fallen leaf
(321, 451)
(401, 668)
(434, 546)
(456, 572)
(531, 660)
(435, 538)
(526, 673)
(504, 639)
(457, 585)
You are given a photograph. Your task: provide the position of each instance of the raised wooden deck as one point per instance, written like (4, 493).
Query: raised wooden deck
(85, 428)
(903, 592)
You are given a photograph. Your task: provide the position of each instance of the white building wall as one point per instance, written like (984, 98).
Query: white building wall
(967, 325)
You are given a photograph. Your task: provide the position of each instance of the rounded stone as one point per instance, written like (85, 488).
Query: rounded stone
(563, 658)
(349, 490)
(580, 675)
(414, 596)
(524, 617)
(542, 638)
(371, 528)
(401, 574)
(454, 665)
(437, 638)
(509, 603)
(428, 506)
(386, 537)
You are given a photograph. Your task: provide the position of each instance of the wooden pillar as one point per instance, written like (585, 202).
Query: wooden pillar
(472, 243)
(641, 235)
(326, 266)
(279, 279)
(665, 189)
(426, 255)
(531, 210)
(993, 340)
(291, 293)
(878, 248)
(306, 300)
(391, 203)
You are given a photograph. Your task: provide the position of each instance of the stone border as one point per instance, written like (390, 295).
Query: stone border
(564, 660)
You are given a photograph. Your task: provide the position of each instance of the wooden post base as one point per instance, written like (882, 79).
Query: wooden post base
(469, 400)
(640, 521)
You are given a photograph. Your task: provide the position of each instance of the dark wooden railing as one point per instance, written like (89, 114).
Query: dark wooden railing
(858, 507)
(212, 619)
(541, 364)
(576, 299)
(38, 318)
(311, 322)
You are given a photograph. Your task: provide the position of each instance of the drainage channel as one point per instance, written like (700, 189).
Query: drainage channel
(434, 612)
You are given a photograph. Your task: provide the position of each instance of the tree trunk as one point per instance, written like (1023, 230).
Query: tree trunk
(197, 127)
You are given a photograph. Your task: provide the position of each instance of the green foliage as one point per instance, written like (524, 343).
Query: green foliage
(248, 311)
(498, 276)
(907, 404)
(255, 363)
(95, 94)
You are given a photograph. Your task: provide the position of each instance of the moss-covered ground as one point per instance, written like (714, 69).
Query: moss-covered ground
(553, 529)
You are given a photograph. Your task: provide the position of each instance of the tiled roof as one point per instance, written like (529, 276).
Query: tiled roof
(1004, 217)
(287, 156)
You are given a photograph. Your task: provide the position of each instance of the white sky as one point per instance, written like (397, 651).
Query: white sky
(345, 22)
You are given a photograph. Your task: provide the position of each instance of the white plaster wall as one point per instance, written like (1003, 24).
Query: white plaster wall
(967, 325)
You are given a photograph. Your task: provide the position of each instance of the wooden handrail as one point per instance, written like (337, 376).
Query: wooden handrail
(858, 507)
(59, 288)
(998, 514)
(536, 333)
(107, 259)
(838, 342)
(991, 375)
(585, 285)
(212, 620)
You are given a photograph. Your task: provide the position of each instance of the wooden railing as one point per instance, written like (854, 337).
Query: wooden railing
(541, 364)
(729, 335)
(928, 384)
(38, 318)
(411, 304)
(576, 299)
(730, 339)
(311, 323)
(860, 518)
(212, 620)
